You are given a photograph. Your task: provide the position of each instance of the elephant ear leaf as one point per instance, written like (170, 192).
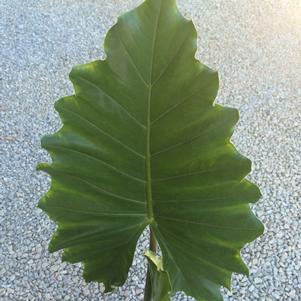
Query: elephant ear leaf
(143, 143)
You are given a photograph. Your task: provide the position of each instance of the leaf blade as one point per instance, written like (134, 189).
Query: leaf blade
(143, 143)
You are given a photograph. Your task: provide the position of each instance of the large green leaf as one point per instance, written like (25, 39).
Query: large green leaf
(143, 144)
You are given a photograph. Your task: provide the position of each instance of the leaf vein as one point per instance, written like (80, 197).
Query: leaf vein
(104, 190)
(207, 225)
(97, 159)
(186, 175)
(103, 132)
(113, 99)
(95, 212)
(131, 60)
(182, 101)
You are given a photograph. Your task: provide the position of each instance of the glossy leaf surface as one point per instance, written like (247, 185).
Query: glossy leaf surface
(143, 144)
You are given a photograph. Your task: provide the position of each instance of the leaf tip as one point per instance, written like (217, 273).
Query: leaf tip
(259, 194)
(41, 204)
(44, 141)
(51, 247)
(227, 284)
(260, 228)
(244, 269)
(42, 166)
(73, 72)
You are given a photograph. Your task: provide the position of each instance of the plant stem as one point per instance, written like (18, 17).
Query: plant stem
(148, 284)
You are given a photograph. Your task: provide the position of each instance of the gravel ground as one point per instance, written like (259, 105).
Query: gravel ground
(255, 45)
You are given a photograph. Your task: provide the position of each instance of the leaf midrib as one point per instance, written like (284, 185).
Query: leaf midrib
(149, 200)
